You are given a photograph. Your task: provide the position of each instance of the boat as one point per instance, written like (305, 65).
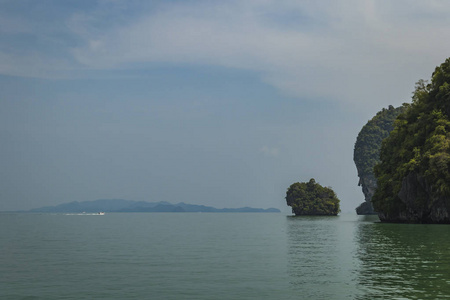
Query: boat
(101, 213)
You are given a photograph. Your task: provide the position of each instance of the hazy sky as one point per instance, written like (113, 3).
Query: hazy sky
(222, 103)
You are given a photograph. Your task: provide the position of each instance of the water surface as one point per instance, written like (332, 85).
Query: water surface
(220, 256)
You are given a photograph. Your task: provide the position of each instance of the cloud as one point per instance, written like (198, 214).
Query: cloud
(268, 151)
(352, 51)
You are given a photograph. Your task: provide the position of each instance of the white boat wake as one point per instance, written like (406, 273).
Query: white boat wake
(86, 214)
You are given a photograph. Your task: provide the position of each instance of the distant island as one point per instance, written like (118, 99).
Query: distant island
(121, 205)
(310, 198)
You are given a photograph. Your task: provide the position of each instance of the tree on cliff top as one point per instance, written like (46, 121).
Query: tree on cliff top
(310, 198)
(419, 145)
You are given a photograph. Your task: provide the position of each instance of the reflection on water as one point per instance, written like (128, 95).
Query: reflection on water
(403, 261)
(320, 254)
(357, 257)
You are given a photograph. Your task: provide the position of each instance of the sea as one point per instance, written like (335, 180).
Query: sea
(220, 256)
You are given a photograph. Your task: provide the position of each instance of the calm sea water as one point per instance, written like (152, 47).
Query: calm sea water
(220, 256)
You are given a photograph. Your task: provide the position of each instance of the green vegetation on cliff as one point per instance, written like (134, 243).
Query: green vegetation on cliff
(310, 198)
(413, 175)
(368, 143)
(366, 153)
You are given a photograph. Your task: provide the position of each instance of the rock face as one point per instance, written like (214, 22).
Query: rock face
(369, 184)
(419, 203)
(367, 153)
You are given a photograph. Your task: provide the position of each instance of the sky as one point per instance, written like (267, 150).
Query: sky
(220, 103)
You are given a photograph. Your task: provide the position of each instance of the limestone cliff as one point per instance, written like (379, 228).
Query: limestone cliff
(420, 204)
(413, 175)
(367, 153)
(368, 184)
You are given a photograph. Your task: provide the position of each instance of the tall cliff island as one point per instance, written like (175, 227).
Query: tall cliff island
(413, 176)
(366, 153)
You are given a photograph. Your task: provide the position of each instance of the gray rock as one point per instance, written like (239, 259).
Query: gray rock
(369, 185)
(420, 204)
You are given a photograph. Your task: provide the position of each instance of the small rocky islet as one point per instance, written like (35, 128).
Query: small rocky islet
(310, 198)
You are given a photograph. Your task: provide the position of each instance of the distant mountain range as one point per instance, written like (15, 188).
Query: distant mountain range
(121, 205)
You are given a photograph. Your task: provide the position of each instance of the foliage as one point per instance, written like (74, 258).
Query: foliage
(419, 143)
(310, 198)
(366, 153)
